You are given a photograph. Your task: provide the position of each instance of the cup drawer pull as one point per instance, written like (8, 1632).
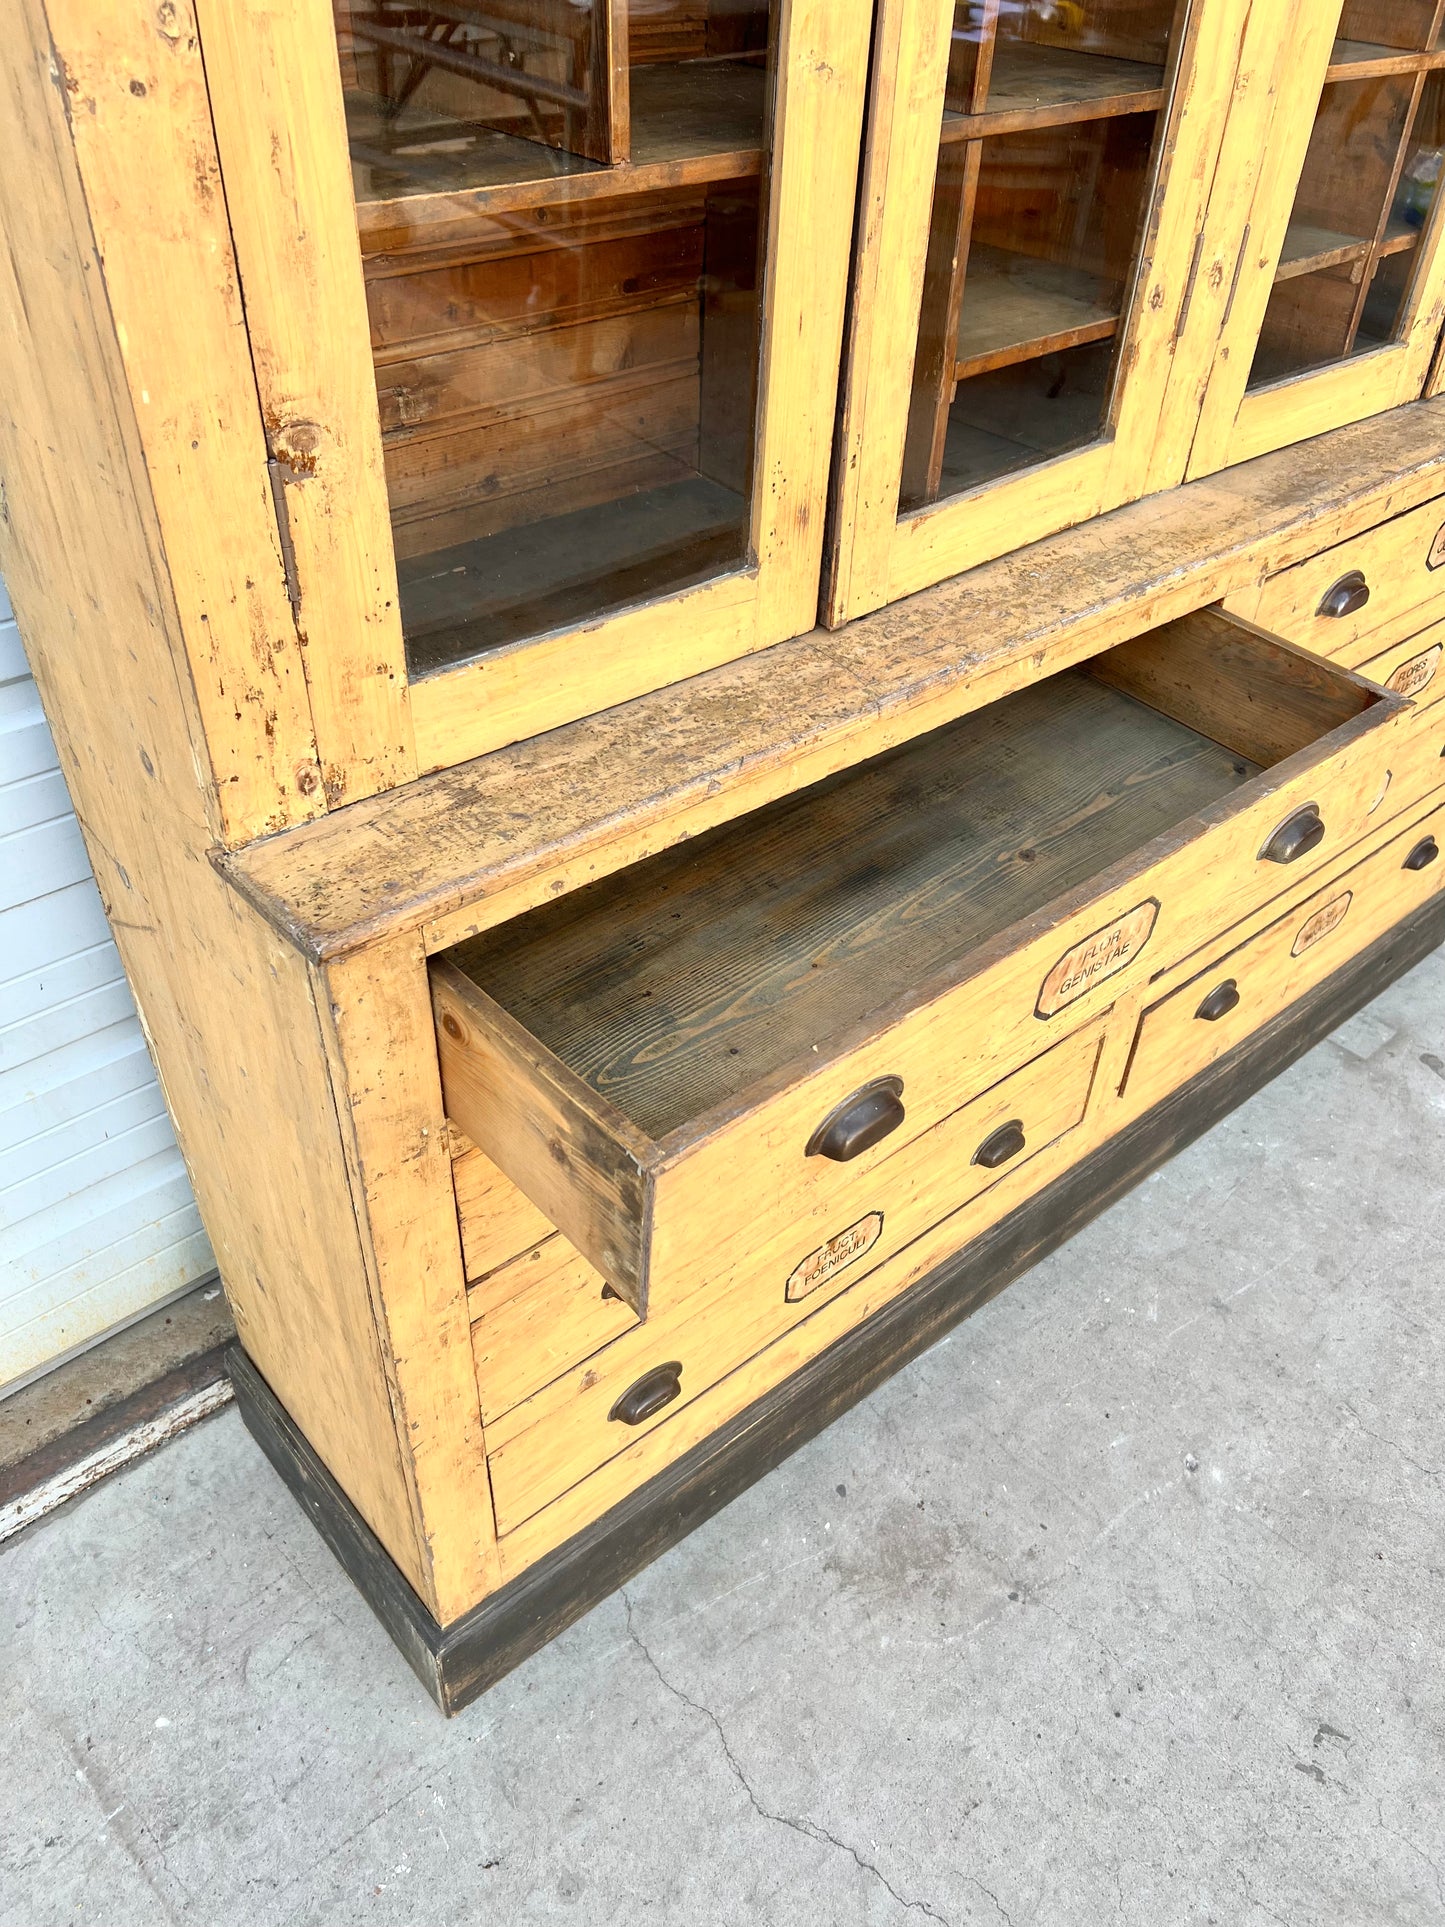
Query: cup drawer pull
(1220, 1001)
(1001, 1145)
(1295, 837)
(1423, 854)
(1345, 597)
(647, 1397)
(859, 1122)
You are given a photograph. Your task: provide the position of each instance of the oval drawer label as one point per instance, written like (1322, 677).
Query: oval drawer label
(1097, 957)
(1329, 917)
(1436, 558)
(829, 1259)
(1416, 674)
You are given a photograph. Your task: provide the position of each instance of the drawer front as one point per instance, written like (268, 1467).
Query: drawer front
(1399, 566)
(496, 1220)
(1207, 1016)
(569, 1429)
(543, 1313)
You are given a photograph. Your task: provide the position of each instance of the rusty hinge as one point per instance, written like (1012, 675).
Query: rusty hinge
(283, 530)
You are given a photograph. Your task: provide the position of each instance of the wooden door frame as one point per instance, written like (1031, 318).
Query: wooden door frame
(1258, 177)
(276, 95)
(879, 555)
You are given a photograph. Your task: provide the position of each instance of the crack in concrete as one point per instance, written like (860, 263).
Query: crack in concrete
(1254, 1901)
(808, 1828)
(1393, 1445)
(1405, 1841)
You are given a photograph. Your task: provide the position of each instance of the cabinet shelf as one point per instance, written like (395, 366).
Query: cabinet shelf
(1308, 249)
(1363, 60)
(1016, 308)
(696, 122)
(1036, 87)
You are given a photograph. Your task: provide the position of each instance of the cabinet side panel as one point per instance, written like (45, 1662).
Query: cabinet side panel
(141, 124)
(227, 1007)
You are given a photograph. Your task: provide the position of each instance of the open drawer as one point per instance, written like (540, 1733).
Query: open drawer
(679, 1062)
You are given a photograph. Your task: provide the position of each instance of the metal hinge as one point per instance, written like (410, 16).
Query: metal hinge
(283, 530)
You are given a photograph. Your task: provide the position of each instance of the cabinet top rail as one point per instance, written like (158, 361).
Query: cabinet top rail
(461, 850)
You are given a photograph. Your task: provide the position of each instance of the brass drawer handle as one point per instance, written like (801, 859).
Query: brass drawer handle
(1001, 1145)
(1220, 1001)
(1423, 854)
(1296, 837)
(647, 1397)
(859, 1122)
(1345, 597)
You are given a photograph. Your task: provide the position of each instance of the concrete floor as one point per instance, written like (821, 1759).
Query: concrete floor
(1125, 1605)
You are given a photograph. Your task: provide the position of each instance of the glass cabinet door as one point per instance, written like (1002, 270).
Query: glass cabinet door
(1039, 269)
(599, 313)
(1337, 285)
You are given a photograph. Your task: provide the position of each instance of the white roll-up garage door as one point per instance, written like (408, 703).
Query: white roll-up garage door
(97, 1221)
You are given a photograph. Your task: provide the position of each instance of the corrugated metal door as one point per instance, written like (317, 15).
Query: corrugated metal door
(97, 1221)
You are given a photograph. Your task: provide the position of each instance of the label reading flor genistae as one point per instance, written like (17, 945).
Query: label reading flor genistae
(1103, 954)
(829, 1259)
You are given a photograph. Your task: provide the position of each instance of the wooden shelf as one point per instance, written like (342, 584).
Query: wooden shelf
(698, 122)
(1016, 307)
(1037, 87)
(1363, 60)
(1308, 249)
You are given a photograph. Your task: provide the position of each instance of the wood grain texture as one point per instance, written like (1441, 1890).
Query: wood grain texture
(1236, 683)
(675, 986)
(497, 1222)
(463, 850)
(140, 121)
(229, 1012)
(275, 91)
(574, 1155)
(381, 1049)
(536, 1318)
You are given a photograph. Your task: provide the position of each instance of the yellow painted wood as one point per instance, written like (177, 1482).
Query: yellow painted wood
(1403, 563)
(1298, 950)
(141, 125)
(275, 90)
(543, 1313)
(562, 1433)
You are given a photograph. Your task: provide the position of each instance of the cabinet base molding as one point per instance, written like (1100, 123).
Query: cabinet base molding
(458, 1662)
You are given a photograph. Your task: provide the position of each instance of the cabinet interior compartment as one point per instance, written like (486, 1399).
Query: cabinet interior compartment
(1366, 193)
(1047, 159)
(564, 284)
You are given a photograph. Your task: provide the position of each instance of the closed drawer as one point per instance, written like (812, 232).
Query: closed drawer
(542, 1313)
(1384, 583)
(1186, 1031)
(576, 1424)
(678, 1063)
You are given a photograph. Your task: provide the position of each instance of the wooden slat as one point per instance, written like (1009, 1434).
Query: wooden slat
(143, 140)
(275, 91)
(460, 851)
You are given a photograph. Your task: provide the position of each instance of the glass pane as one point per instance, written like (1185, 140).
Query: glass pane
(1370, 178)
(560, 205)
(1042, 194)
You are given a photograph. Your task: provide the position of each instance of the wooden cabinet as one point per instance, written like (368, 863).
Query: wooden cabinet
(611, 1017)
(1110, 245)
